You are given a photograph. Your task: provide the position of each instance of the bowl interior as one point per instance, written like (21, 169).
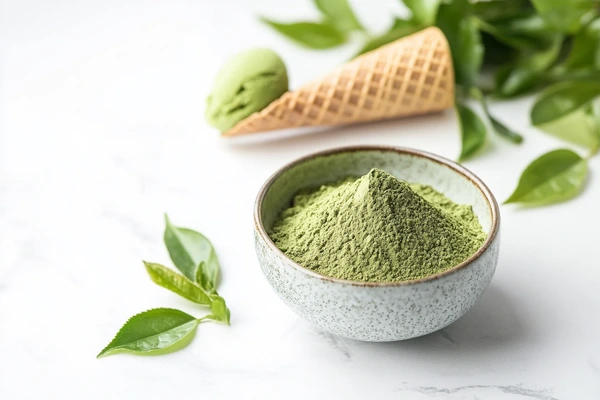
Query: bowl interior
(409, 165)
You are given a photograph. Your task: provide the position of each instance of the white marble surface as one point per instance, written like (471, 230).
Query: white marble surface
(101, 131)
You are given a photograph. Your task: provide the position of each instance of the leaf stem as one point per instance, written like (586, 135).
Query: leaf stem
(477, 94)
(212, 318)
(593, 153)
(497, 126)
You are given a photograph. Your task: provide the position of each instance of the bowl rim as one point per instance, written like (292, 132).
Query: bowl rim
(490, 199)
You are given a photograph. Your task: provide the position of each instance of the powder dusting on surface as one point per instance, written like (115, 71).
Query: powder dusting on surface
(377, 229)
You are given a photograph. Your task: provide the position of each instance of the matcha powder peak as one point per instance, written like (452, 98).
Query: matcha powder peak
(377, 229)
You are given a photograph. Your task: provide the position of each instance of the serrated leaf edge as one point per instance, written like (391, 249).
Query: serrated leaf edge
(106, 351)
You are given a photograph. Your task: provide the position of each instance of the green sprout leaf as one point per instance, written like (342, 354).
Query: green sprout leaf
(193, 254)
(399, 29)
(176, 283)
(554, 177)
(473, 132)
(423, 11)
(153, 332)
(219, 309)
(461, 30)
(314, 35)
(340, 14)
(564, 15)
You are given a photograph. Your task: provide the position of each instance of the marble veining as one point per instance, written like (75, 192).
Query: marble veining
(485, 390)
(336, 343)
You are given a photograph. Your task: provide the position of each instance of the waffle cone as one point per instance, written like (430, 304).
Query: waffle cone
(410, 76)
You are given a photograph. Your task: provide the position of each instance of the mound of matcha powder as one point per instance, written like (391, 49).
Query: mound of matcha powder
(377, 229)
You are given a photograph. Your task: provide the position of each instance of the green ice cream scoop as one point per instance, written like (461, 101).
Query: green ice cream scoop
(247, 83)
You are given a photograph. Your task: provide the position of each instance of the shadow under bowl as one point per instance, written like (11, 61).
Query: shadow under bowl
(370, 311)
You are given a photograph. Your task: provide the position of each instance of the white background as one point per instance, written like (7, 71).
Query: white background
(102, 130)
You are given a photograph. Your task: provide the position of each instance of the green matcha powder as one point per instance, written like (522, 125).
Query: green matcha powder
(377, 229)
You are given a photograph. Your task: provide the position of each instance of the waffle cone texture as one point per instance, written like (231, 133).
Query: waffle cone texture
(409, 76)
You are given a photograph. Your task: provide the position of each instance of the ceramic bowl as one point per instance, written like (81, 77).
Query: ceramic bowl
(377, 312)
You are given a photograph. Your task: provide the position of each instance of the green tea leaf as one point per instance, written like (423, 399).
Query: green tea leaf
(153, 332)
(208, 272)
(400, 29)
(176, 283)
(340, 14)
(561, 99)
(513, 80)
(585, 50)
(564, 15)
(554, 177)
(423, 11)
(207, 275)
(219, 309)
(473, 132)
(193, 254)
(498, 10)
(579, 127)
(497, 126)
(460, 28)
(405, 23)
(314, 35)
(562, 75)
(594, 110)
(530, 25)
(564, 110)
(500, 128)
(496, 54)
(505, 131)
(509, 39)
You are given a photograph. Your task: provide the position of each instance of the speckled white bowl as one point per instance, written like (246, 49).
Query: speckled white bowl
(378, 312)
